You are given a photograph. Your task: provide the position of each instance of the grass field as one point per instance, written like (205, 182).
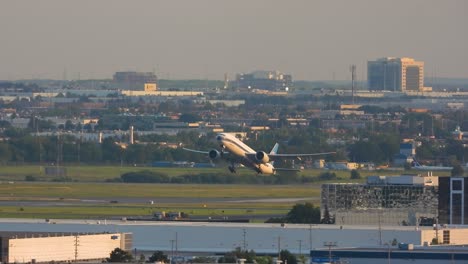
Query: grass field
(103, 173)
(89, 183)
(63, 194)
(25, 190)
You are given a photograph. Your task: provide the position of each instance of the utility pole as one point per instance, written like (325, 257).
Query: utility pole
(77, 243)
(279, 247)
(172, 250)
(389, 261)
(352, 68)
(380, 227)
(244, 243)
(176, 244)
(300, 247)
(310, 236)
(329, 245)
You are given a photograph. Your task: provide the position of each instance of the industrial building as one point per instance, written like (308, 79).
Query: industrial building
(260, 237)
(403, 253)
(264, 80)
(391, 200)
(31, 247)
(395, 74)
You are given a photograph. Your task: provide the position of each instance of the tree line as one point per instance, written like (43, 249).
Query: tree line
(119, 255)
(379, 146)
(146, 176)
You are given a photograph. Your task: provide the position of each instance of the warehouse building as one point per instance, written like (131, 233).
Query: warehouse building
(402, 253)
(31, 247)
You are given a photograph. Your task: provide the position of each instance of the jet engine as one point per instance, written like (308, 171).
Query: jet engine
(262, 157)
(214, 154)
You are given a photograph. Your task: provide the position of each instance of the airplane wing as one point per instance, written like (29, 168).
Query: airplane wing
(285, 169)
(292, 156)
(203, 152)
(197, 151)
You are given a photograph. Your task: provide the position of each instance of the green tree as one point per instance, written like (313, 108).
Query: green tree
(327, 218)
(264, 260)
(304, 214)
(158, 256)
(457, 170)
(189, 118)
(355, 175)
(119, 255)
(111, 152)
(5, 152)
(30, 178)
(302, 259)
(238, 253)
(69, 125)
(366, 151)
(287, 257)
(407, 166)
(327, 176)
(90, 152)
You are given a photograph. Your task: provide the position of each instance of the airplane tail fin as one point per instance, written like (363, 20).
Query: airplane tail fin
(274, 150)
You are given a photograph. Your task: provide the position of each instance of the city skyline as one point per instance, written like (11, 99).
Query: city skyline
(311, 40)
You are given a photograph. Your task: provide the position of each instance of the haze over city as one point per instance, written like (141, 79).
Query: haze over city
(312, 40)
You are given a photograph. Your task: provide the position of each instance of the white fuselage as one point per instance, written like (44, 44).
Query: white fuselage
(240, 150)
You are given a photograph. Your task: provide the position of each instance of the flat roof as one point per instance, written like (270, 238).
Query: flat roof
(432, 252)
(242, 225)
(23, 234)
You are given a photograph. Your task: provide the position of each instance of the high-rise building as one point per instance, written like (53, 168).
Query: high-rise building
(264, 80)
(134, 80)
(453, 198)
(395, 74)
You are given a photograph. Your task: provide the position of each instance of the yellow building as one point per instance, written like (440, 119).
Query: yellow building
(30, 247)
(150, 87)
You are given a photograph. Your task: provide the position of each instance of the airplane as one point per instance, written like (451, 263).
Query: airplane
(416, 166)
(237, 152)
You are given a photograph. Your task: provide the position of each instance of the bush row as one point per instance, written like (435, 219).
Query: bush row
(219, 178)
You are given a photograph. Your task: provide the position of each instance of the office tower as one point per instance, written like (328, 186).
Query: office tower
(134, 80)
(395, 74)
(453, 198)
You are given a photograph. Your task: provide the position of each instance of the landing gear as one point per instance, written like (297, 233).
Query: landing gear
(231, 168)
(221, 151)
(258, 170)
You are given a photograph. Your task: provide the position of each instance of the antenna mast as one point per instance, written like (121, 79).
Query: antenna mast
(352, 68)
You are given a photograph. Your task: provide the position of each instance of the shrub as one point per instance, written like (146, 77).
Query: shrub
(327, 176)
(30, 178)
(145, 177)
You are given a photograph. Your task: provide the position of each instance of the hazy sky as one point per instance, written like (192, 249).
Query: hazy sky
(203, 39)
